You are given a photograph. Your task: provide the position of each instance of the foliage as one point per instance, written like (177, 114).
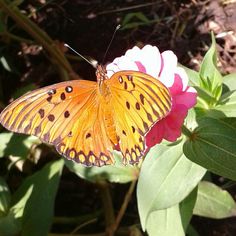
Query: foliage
(169, 182)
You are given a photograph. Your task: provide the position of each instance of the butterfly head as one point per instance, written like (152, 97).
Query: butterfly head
(101, 74)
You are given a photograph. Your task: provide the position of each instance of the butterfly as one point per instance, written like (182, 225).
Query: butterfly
(87, 120)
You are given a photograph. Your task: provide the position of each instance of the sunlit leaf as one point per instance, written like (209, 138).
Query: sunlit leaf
(230, 81)
(211, 79)
(16, 145)
(166, 178)
(165, 222)
(213, 202)
(34, 200)
(227, 104)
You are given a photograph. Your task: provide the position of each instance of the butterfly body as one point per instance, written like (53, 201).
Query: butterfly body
(86, 120)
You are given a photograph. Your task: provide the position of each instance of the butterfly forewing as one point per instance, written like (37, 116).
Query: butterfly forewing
(67, 115)
(139, 101)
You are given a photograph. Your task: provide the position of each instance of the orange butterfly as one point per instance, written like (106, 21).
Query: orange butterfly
(86, 120)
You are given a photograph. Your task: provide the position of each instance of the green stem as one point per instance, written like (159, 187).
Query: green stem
(39, 35)
(6, 35)
(76, 220)
(202, 102)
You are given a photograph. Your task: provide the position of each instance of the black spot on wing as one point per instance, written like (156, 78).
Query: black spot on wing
(133, 129)
(41, 113)
(137, 106)
(69, 89)
(51, 117)
(63, 96)
(88, 135)
(128, 105)
(51, 92)
(37, 130)
(125, 85)
(66, 114)
(49, 98)
(141, 98)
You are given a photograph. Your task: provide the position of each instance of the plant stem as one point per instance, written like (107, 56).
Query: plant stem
(6, 35)
(186, 131)
(76, 220)
(123, 208)
(107, 204)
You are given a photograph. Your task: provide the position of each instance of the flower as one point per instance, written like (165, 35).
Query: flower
(162, 66)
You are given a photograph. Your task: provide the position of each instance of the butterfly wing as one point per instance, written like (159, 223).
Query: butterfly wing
(139, 101)
(67, 115)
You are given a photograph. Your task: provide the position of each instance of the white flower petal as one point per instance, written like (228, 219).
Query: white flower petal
(133, 53)
(183, 75)
(119, 64)
(150, 58)
(191, 90)
(169, 68)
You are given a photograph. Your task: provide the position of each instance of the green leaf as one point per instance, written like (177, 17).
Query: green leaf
(16, 145)
(5, 197)
(227, 104)
(230, 81)
(186, 208)
(118, 173)
(166, 222)
(165, 172)
(191, 231)
(39, 190)
(204, 99)
(191, 120)
(212, 145)
(210, 77)
(213, 202)
(9, 225)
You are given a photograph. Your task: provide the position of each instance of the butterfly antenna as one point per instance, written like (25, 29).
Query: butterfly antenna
(73, 50)
(117, 28)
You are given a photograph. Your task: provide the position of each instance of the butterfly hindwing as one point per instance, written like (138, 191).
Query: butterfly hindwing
(139, 101)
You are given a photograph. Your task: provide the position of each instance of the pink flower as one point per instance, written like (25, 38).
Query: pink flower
(162, 66)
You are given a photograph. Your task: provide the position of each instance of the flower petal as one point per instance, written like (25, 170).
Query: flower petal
(163, 67)
(119, 64)
(168, 68)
